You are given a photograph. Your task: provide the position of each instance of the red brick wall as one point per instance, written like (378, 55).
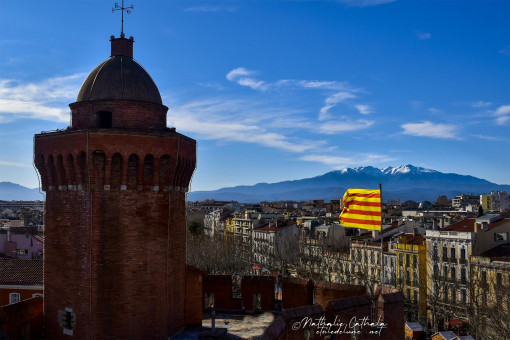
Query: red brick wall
(296, 292)
(23, 320)
(125, 114)
(221, 287)
(390, 307)
(193, 304)
(22, 291)
(115, 253)
(263, 285)
(327, 291)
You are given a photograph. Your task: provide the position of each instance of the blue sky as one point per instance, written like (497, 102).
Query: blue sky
(275, 90)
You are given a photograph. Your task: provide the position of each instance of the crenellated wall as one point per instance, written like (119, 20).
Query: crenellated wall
(114, 161)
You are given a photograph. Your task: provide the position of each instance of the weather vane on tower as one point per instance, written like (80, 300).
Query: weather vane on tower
(122, 9)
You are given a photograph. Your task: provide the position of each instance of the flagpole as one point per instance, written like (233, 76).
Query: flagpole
(382, 245)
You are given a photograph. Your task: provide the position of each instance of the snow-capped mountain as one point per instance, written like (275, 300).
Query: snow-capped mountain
(406, 182)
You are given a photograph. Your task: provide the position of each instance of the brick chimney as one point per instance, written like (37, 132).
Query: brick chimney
(122, 46)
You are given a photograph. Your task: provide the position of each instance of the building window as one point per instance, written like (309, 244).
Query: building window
(463, 296)
(452, 252)
(14, 297)
(500, 237)
(408, 261)
(454, 274)
(436, 271)
(463, 275)
(446, 294)
(445, 253)
(415, 261)
(463, 253)
(105, 119)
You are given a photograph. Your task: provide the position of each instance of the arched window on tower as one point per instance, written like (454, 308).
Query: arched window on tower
(132, 172)
(104, 119)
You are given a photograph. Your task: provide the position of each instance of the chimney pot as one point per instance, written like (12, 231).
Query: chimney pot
(122, 46)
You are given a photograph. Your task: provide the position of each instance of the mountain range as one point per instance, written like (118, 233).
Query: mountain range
(15, 192)
(406, 182)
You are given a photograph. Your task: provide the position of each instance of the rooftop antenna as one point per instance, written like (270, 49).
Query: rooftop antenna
(122, 9)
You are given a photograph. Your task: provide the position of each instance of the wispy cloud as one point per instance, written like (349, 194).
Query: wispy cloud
(223, 120)
(489, 138)
(346, 126)
(14, 164)
(480, 103)
(339, 162)
(364, 3)
(46, 100)
(430, 129)
(205, 9)
(505, 51)
(502, 114)
(336, 92)
(245, 77)
(364, 109)
(332, 101)
(423, 35)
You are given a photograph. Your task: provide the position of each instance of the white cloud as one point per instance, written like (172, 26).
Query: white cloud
(332, 101)
(502, 120)
(224, 120)
(429, 129)
(423, 35)
(46, 100)
(503, 114)
(480, 103)
(490, 138)
(14, 164)
(364, 109)
(503, 110)
(241, 76)
(347, 126)
(339, 162)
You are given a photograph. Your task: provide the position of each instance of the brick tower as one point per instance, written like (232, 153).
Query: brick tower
(115, 184)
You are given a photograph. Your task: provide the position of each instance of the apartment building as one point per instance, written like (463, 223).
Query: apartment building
(490, 291)
(411, 274)
(449, 253)
(275, 245)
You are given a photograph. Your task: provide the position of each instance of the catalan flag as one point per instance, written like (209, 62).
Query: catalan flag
(362, 209)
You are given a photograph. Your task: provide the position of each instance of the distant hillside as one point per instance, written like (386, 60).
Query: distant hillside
(15, 192)
(406, 182)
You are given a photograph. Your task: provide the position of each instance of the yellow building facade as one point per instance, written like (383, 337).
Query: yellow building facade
(411, 273)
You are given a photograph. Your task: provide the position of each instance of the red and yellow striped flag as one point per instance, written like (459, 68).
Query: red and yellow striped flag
(362, 209)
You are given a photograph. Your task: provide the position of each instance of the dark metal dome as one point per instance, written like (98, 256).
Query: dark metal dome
(119, 78)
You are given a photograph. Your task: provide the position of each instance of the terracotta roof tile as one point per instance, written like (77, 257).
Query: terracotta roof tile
(21, 272)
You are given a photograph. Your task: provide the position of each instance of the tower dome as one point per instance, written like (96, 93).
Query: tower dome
(119, 93)
(120, 77)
